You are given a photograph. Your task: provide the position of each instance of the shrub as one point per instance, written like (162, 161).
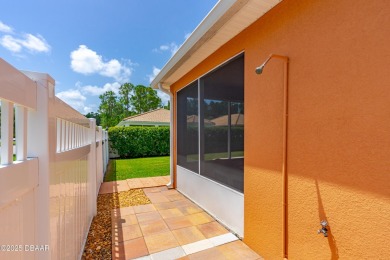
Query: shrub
(216, 139)
(134, 142)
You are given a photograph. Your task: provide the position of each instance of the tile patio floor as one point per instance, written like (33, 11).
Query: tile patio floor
(172, 227)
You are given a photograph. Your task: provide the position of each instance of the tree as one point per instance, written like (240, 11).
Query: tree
(110, 109)
(132, 100)
(94, 115)
(168, 106)
(125, 92)
(144, 99)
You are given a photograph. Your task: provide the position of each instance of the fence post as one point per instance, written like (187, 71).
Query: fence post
(92, 168)
(21, 132)
(107, 152)
(99, 157)
(7, 123)
(41, 143)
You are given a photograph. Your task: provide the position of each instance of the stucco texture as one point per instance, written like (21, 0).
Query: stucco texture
(338, 128)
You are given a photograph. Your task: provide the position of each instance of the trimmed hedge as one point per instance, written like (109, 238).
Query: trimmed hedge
(134, 142)
(215, 139)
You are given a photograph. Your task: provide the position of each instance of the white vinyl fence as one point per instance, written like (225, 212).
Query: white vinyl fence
(48, 193)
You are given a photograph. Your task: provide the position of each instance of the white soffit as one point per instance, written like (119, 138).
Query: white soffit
(227, 19)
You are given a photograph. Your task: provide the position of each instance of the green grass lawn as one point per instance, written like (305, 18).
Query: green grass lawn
(123, 169)
(213, 156)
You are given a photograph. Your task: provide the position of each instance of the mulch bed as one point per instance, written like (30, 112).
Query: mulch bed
(99, 241)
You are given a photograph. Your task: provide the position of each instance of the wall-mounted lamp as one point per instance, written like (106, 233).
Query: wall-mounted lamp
(259, 70)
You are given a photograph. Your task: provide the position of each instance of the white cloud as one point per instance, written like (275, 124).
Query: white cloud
(35, 43)
(71, 94)
(164, 47)
(83, 98)
(174, 49)
(87, 61)
(171, 47)
(154, 74)
(10, 43)
(5, 28)
(96, 91)
(164, 97)
(75, 99)
(18, 42)
(30, 42)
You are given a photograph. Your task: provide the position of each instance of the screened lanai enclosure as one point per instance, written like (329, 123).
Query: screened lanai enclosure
(210, 125)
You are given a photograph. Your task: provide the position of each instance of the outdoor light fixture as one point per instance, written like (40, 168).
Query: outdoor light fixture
(259, 70)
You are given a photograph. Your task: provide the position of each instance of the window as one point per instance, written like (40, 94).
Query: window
(211, 125)
(187, 128)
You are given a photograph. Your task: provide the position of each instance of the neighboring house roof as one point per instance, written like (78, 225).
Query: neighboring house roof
(236, 119)
(227, 19)
(193, 119)
(159, 116)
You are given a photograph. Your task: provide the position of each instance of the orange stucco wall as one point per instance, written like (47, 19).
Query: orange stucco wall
(338, 160)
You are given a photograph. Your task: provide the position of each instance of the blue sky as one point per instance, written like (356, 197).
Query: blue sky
(91, 46)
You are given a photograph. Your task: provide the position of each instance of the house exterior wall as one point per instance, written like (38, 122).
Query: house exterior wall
(338, 128)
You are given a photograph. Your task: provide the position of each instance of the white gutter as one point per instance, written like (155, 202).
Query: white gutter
(160, 87)
(226, 20)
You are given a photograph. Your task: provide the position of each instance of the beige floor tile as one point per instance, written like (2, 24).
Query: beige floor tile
(130, 249)
(126, 233)
(237, 250)
(190, 209)
(200, 218)
(178, 222)
(153, 227)
(212, 229)
(170, 222)
(113, 186)
(165, 205)
(155, 189)
(161, 180)
(144, 208)
(183, 203)
(119, 212)
(184, 258)
(173, 253)
(160, 242)
(148, 216)
(124, 221)
(157, 197)
(170, 213)
(176, 197)
(105, 188)
(170, 192)
(134, 183)
(188, 235)
(211, 253)
(148, 182)
(173, 195)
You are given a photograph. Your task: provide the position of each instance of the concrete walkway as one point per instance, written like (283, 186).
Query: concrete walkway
(172, 227)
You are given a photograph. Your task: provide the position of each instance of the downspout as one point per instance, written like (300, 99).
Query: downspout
(171, 182)
(284, 169)
(259, 70)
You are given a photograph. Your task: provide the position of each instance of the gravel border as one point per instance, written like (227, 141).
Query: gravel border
(99, 240)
